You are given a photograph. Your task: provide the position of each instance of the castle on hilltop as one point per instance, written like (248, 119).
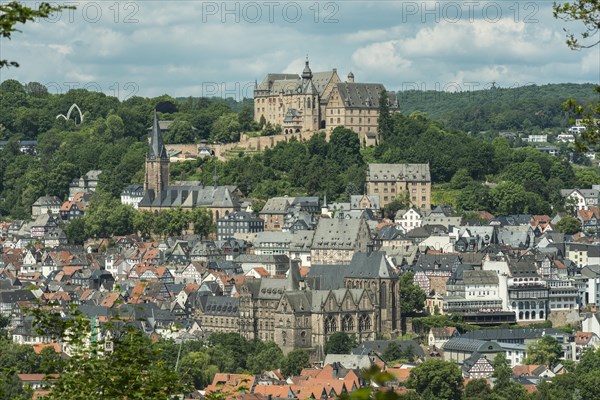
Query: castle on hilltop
(320, 100)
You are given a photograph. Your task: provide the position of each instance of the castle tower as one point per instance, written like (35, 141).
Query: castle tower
(157, 162)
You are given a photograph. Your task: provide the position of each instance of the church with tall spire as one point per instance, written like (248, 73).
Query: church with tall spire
(160, 193)
(157, 162)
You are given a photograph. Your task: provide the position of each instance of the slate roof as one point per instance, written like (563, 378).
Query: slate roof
(276, 205)
(325, 277)
(510, 335)
(380, 346)
(48, 201)
(220, 305)
(271, 78)
(363, 95)
(133, 190)
(480, 277)
(390, 232)
(363, 265)
(355, 201)
(336, 233)
(191, 196)
(469, 345)
(321, 79)
(349, 361)
(586, 193)
(13, 296)
(370, 265)
(157, 148)
(262, 259)
(395, 172)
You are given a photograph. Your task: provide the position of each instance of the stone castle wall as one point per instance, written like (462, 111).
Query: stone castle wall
(246, 143)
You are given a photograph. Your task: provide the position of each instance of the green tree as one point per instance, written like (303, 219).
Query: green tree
(385, 125)
(344, 148)
(294, 362)
(568, 226)
(196, 367)
(340, 343)
(545, 351)
(508, 198)
(36, 89)
(16, 12)
(473, 197)
(143, 222)
(588, 13)
(75, 231)
(201, 219)
(58, 179)
(178, 221)
(180, 131)
(265, 357)
(226, 129)
(585, 11)
(502, 371)
(115, 128)
(477, 389)
(246, 117)
(400, 202)
(132, 369)
(412, 297)
(437, 379)
(461, 179)
(50, 362)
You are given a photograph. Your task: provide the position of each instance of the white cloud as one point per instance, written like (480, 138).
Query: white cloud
(174, 49)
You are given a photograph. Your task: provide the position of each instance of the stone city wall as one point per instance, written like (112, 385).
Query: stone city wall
(246, 143)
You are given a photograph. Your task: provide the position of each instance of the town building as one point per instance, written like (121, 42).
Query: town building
(320, 100)
(132, 195)
(337, 239)
(87, 183)
(582, 199)
(391, 181)
(45, 205)
(238, 222)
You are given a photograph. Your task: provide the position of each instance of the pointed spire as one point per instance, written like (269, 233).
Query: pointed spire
(293, 276)
(307, 73)
(157, 147)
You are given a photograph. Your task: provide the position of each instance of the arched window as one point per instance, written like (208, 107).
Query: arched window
(526, 314)
(364, 323)
(330, 324)
(541, 315)
(347, 323)
(533, 315)
(521, 315)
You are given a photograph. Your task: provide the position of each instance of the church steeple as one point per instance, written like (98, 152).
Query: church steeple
(157, 162)
(157, 148)
(307, 73)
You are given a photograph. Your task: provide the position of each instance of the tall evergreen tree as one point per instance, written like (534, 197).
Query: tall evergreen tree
(385, 125)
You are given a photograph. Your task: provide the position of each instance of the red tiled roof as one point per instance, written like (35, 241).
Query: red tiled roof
(37, 348)
(583, 337)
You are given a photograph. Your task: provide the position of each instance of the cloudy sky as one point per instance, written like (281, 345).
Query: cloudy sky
(206, 48)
